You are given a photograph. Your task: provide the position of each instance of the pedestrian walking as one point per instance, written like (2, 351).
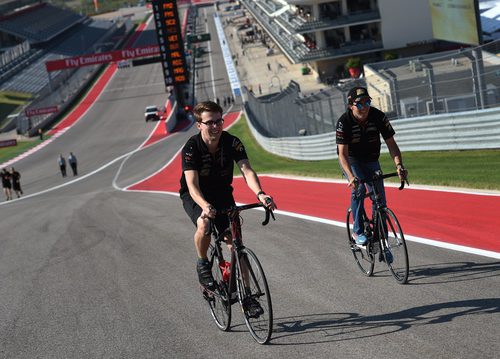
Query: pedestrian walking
(269, 66)
(16, 182)
(218, 101)
(260, 89)
(224, 101)
(6, 184)
(228, 100)
(73, 163)
(40, 134)
(62, 165)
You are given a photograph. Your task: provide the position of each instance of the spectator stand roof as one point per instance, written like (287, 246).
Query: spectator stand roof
(40, 22)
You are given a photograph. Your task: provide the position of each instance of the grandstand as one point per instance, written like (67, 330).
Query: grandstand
(80, 40)
(33, 32)
(38, 23)
(27, 30)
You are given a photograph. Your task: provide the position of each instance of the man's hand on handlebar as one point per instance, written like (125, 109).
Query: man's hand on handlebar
(353, 182)
(402, 173)
(267, 201)
(208, 211)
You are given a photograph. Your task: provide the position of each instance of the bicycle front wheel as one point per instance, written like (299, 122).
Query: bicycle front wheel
(254, 296)
(393, 244)
(218, 300)
(364, 258)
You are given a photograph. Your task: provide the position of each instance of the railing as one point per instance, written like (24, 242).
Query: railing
(457, 131)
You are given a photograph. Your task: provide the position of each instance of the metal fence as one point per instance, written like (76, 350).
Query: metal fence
(454, 81)
(478, 129)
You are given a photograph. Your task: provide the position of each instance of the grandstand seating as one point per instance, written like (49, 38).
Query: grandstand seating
(41, 23)
(80, 41)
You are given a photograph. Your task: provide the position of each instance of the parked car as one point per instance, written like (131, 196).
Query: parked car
(151, 113)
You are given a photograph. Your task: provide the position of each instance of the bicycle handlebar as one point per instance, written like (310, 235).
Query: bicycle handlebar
(244, 207)
(379, 176)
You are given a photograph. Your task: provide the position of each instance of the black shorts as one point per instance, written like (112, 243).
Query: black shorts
(194, 211)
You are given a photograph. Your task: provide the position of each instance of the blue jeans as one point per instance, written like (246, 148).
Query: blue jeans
(364, 170)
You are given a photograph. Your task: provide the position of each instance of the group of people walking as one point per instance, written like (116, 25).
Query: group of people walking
(11, 181)
(72, 162)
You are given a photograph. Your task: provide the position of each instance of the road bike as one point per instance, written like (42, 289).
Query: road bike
(384, 233)
(242, 280)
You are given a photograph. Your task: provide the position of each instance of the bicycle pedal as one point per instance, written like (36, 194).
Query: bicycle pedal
(206, 291)
(207, 295)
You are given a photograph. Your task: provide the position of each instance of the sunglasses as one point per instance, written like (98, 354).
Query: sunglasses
(218, 122)
(360, 104)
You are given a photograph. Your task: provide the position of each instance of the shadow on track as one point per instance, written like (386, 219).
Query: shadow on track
(452, 272)
(332, 327)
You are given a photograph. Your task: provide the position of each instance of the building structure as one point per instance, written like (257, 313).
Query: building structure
(325, 34)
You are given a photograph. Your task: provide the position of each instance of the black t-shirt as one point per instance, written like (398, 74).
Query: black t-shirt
(16, 176)
(364, 141)
(215, 172)
(5, 179)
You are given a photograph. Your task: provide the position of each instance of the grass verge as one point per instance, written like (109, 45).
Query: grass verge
(10, 101)
(8, 153)
(479, 169)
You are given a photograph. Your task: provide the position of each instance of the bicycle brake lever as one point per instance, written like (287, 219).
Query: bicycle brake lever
(403, 184)
(266, 220)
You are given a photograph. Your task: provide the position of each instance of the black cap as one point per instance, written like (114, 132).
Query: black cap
(356, 93)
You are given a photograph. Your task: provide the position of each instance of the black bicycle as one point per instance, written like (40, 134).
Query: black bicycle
(241, 280)
(384, 233)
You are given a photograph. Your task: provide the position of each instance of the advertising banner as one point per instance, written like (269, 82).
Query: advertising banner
(40, 111)
(101, 58)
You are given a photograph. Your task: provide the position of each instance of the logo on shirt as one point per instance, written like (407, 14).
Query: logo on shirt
(238, 146)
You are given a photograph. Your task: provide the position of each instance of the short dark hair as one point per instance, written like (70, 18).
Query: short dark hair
(206, 106)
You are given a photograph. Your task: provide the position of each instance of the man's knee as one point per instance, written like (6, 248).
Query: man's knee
(203, 225)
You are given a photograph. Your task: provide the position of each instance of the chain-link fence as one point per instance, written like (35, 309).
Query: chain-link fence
(454, 81)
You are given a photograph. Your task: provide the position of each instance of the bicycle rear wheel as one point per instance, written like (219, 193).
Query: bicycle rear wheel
(252, 286)
(364, 259)
(218, 299)
(394, 246)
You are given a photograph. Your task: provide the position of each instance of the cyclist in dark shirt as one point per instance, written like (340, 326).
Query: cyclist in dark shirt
(207, 173)
(358, 146)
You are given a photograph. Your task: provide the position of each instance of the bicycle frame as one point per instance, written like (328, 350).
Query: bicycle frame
(233, 214)
(246, 278)
(384, 233)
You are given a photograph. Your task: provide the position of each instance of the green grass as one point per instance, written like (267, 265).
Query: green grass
(7, 153)
(10, 101)
(478, 169)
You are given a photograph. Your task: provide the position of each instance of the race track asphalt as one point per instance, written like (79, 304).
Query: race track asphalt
(89, 270)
